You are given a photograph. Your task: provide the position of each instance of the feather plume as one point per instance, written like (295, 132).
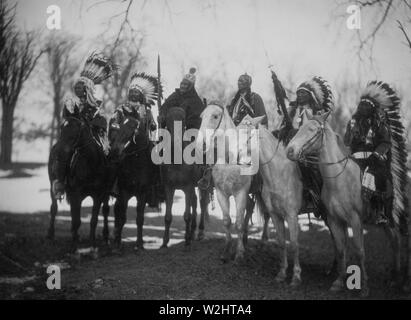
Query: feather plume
(388, 103)
(148, 85)
(97, 68)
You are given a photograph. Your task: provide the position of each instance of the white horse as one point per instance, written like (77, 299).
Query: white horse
(282, 193)
(228, 178)
(341, 194)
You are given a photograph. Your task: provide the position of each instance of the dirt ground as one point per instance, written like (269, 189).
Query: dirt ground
(172, 273)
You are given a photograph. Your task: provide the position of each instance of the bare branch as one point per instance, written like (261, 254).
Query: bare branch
(401, 27)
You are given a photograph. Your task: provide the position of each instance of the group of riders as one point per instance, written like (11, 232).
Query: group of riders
(369, 134)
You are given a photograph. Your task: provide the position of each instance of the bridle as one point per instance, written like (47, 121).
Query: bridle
(220, 120)
(83, 124)
(320, 134)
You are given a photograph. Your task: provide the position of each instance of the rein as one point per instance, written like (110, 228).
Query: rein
(320, 135)
(90, 140)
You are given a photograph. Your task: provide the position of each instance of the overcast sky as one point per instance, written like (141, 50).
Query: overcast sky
(300, 37)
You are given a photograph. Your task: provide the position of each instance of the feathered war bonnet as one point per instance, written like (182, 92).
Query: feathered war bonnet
(382, 96)
(148, 85)
(97, 68)
(320, 91)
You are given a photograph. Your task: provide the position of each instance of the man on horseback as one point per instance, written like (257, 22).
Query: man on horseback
(84, 107)
(374, 136)
(314, 97)
(185, 97)
(142, 93)
(139, 101)
(246, 102)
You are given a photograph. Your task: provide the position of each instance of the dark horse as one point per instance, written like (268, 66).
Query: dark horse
(136, 173)
(86, 167)
(184, 177)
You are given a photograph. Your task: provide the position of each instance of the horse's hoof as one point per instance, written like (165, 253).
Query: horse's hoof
(239, 258)
(200, 236)
(295, 282)
(139, 246)
(365, 292)
(406, 287)
(225, 258)
(331, 271)
(280, 277)
(337, 286)
(50, 236)
(95, 254)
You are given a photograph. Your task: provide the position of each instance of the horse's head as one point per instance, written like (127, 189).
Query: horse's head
(122, 136)
(211, 120)
(70, 133)
(309, 138)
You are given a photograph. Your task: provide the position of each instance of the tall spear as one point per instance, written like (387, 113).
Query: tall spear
(160, 89)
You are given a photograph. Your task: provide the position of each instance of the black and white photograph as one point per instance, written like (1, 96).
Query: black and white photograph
(205, 154)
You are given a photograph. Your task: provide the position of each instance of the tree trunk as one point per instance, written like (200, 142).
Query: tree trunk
(52, 133)
(55, 121)
(7, 133)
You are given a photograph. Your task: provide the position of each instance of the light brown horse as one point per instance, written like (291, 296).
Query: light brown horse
(282, 194)
(341, 194)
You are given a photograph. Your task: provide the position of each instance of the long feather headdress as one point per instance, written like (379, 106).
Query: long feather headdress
(320, 90)
(383, 97)
(147, 84)
(97, 68)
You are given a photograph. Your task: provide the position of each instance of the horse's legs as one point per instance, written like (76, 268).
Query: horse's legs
(75, 211)
(339, 233)
(224, 202)
(394, 237)
(53, 213)
(248, 214)
(141, 204)
(106, 212)
(188, 191)
(204, 200)
(193, 214)
(241, 203)
(293, 227)
(358, 238)
(334, 264)
(279, 224)
(169, 216)
(120, 209)
(94, 220)
(266, 215)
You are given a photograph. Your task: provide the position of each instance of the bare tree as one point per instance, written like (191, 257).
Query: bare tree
(379, 13)
(17, 60)
(61, 69)
(125, 52)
